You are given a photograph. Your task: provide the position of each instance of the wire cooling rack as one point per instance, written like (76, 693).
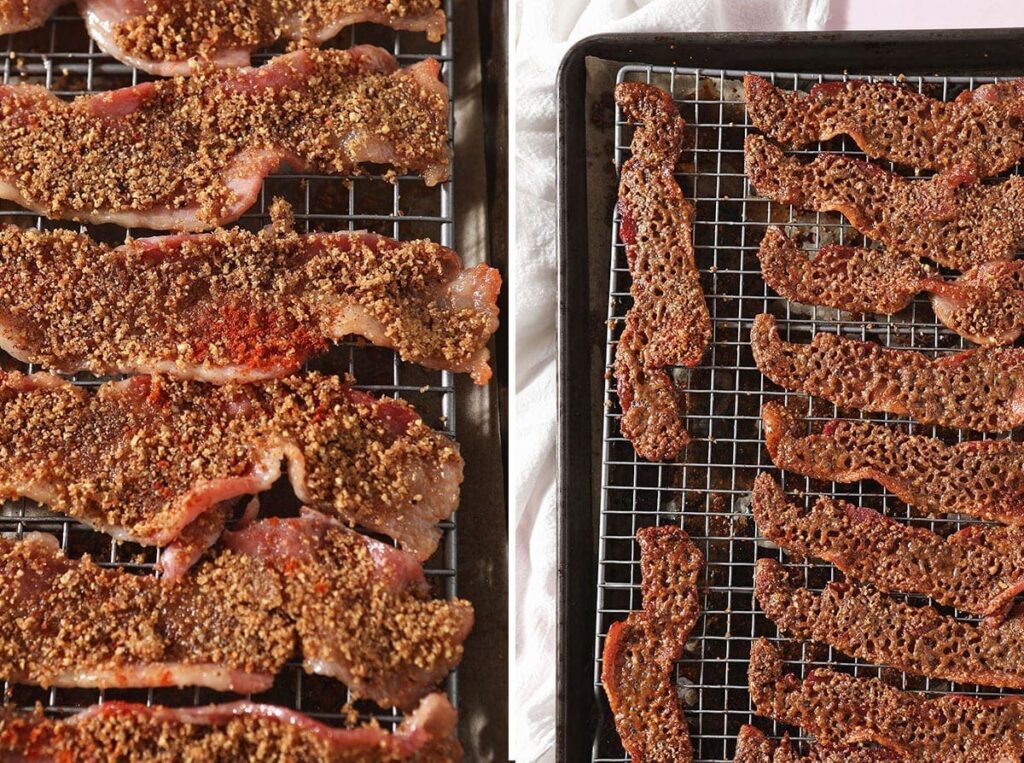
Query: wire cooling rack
(708, 490)
(61, 56)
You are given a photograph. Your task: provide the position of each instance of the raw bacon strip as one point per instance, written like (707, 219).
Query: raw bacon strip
(192, 153)
(360, 609)
(357, 609)
(951, 219)
(640, 651)
(19, 15)
(840, 709)
(981, 389)
(754, 747)
(235, 306)
(668, 324)
(73, 623)
(985, 305)
(145, 457)
(224, 733)
(978, 569)
(863, 622)
(983, 479)
(163, 36)
(981, 129)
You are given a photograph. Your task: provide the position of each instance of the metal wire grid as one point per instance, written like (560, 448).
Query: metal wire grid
(707, 491)
(61, 56)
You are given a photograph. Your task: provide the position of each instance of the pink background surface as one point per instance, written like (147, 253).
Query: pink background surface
(925, 14)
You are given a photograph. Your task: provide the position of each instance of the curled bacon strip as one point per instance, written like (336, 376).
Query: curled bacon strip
(985, 305)
(980, 129)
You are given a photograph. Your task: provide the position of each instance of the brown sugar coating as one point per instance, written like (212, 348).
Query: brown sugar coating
(73, 623)
(981, 389)
(951, 219)
(18, 15)
(752, 746)
(640, 652)
(191, 153)
(985, 305)
(360, 609)
(978, 569)
(668, 324)
(133, 733)
(843, 277)
(983, 479)
(178, 30)
(237, 306)
(981, 128)
(146, 456)
(356, 609)
(863, 622)
(837, 708)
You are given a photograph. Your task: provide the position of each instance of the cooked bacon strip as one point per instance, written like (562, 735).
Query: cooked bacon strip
(985, 305)
(192, 153)
(981, 129)
(357, 609)
(640, 651)
(863, 622)
(360, 608)
(235, 306)
(978, 569)
(19, 15)
(228, 732)
(980, 389)
(668, 324)
(840, 709)
(145, 457)
(163, 36)
(979, 478)
(752, 746)
(951, 219)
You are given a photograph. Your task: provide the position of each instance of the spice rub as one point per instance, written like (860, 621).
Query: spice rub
(144, 457)
(668, 324)
(979, 478)
(981, 129)
(978, 569)
(640, 651)
(164, 36)
(980, 389)
(752, 746)
(227, 733)
(951, 219)
(192, 153)
(356, 609)
(840, 709)
(235, 306)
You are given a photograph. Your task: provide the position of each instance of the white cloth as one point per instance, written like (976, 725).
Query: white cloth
(545, 30)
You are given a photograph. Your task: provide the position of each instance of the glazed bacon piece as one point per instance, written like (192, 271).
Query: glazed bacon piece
(985, 305)
(356, 609)
(19, 15)
(865, 623)
(162, 37)
(980, 389)
(226, 733)
(640, 651)
(752, 746)
(145, 457)
(977, 569)
(981, 129)
(668, 324)
(840, 709)
(951, 219)
(983, 479)
(235, 306)
(360, 609)
(191, 153)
